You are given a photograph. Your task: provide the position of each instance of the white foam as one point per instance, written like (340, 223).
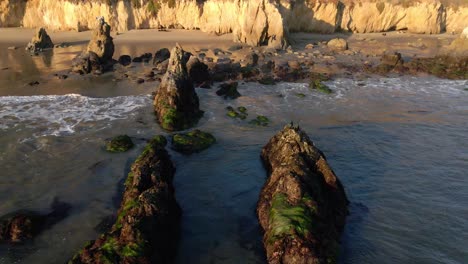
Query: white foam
(60, 114)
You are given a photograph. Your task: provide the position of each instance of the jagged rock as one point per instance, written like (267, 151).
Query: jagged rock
(228, 90)
(40, 41)
(339, 44)
(125, 60)
(161, 55)
(197, 70)
(98, 56)
(176, 103)
(147, 225)
(101, 42)
(23, 225)
(302, 207)
(193, 141)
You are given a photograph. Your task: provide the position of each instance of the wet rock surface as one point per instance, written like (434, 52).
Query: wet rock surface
(176, 103)
(147, 225)
(120, 143)
(302, 207)
(40, 41)
(228, 90)
(23, 225)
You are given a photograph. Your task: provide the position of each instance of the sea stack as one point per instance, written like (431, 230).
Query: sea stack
(302, 207)
(147, 225)
(176, 103)
(40, 41)
(98, 56)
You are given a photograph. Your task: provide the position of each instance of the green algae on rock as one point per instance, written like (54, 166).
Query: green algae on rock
(260, 120)
(302, 207)
(147, 225)
(240, 112)
(120, 143)
(193, 141)
(176, 103)
(319, 86)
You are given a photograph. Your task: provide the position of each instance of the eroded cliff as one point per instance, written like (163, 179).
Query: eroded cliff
(253, 22)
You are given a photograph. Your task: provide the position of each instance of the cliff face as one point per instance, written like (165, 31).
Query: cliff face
(252, 21)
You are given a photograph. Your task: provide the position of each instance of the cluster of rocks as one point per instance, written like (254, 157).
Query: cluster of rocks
(98, 56)
(147, 225)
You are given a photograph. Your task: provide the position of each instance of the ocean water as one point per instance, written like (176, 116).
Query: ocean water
(399, 146)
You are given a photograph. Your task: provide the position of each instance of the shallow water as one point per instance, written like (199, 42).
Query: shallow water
(398, 145)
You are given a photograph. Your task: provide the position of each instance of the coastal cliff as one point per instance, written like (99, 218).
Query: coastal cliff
(255, 22)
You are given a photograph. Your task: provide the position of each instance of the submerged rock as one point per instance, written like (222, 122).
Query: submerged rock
(260, 121)
(228, 90)
(176, 103)
(147, 225)
(125, 60)
(23, 225)
(193, 141)
(98, 56)
(40, 41)
(120, 143)
(302, 207)
(316, 84)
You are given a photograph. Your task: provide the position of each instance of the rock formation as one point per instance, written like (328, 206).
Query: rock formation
(98, 55)
(198, 71)
(459, 46)
(146, 229)
(40, 41)
(338, 44)
(302, 206)
(17, 227)
(176, 103)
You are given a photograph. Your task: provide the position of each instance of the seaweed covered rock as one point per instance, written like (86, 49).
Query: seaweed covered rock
(193, 141)
(98, 56)
(40, 41)
(318, 85)
(228, 90)
(176, 103)
(120, 143)
(147, 225)
(450, 67)
(19, 226)
(302, 207)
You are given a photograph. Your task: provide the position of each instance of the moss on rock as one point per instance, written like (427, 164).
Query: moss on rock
(260, 121)
(120, 143)
(193, 141)
(319, 86)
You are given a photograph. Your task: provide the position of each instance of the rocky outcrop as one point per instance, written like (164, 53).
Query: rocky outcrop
(176, 103)
(192, 142)
(23, 225)
(146, 229)
(302, 206)
(459, 46)
(98, 55)
(40, 41)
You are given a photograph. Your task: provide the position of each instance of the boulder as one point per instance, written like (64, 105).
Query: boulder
(193, 141)
(198, 71)
(120, 143)
(161, 55)
(393, 59)
(302, 206)
(87, 62)
(145, 57)
(147, 225)
(20, 226)
(40, 41)
(338, 44)
(125, 60)
(459, 46)
(176, 103)
(228, 90)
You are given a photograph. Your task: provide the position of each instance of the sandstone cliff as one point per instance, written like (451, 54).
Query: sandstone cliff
(252, 21)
